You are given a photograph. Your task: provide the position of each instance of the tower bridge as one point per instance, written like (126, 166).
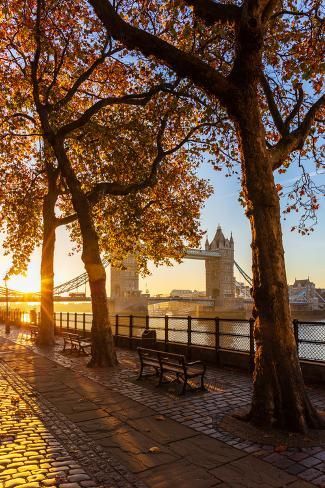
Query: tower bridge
(219, 264)
(218, 256)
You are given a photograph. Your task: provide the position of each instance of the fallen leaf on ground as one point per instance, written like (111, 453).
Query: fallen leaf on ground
(280, 448)
(154, 449)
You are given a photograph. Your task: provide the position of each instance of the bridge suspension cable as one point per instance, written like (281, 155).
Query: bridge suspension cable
(58, 290)
(82, 279)
(75, 282)
(244, 275)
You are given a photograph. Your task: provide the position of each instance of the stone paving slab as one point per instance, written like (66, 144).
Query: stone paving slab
(206, 452)
(116, 392)
(166, 431)
(181, 474)
(247, 473)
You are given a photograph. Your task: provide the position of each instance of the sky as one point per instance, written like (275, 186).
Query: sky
(304, 254)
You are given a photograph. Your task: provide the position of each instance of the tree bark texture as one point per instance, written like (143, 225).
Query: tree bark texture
(102, 350)
(279, 396)
(47, 326)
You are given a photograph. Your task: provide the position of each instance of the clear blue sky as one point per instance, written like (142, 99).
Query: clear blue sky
(304, 255)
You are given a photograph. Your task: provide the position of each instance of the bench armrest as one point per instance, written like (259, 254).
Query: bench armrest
(194, 363)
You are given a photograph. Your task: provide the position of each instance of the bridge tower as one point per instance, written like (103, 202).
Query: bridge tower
(125, 282)
(220, 282)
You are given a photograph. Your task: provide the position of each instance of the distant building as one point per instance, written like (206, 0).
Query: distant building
(180, 293)
(303, 294)
(220, 272)
(187, 293)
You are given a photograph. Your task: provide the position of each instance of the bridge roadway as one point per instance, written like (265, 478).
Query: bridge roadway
(35, 298)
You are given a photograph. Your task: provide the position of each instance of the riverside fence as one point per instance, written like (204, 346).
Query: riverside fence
(216, 334)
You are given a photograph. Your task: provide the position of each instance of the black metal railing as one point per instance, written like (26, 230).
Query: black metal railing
(219, 334)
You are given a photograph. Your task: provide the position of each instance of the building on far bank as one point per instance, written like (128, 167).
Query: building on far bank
(303, 295)
(187, 293)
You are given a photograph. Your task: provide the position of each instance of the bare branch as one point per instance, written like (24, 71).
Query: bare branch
(295, 109)
(295, 139)
(276, 116)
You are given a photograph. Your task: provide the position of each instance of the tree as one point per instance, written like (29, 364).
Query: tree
(261, 61)
(64, 72)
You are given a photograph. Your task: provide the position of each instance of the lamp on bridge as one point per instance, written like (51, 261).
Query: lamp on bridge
(7, 306)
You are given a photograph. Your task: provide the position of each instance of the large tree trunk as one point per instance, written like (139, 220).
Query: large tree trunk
(102, 350)
(46, 326)
(279, 396)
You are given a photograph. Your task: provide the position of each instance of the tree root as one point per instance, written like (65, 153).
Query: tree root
(103, 362)
(313, 419)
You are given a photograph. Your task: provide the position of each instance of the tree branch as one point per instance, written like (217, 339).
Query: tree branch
(211, 12)
(23, 115)
(183, 63)
(37, 54)
(276, 116)
(139, 99)
(295, 109)
(295, 139)
(66, 220)
(120, 189)
(82, 78)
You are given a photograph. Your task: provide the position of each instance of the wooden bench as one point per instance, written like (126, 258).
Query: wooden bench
(169, 363)
(76, 343)
(33, 331)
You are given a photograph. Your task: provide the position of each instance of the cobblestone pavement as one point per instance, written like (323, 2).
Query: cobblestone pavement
(228, 389)
(39, 447)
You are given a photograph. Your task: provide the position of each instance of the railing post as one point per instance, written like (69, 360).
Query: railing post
(84, 324)
(251, 344)
(131, 330)
(217, 338)
(68, 320)
(116, 324)
(54, 322)
(189, 336)
(166, 332)
(296, 333)
(60, 321)
(147, 322)
(75, 321)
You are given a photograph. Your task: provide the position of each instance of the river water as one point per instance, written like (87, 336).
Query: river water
(233, 334)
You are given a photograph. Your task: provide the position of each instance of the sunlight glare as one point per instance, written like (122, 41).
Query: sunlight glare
(28, 283)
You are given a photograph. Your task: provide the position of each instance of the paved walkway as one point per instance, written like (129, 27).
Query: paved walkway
(104, 420)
